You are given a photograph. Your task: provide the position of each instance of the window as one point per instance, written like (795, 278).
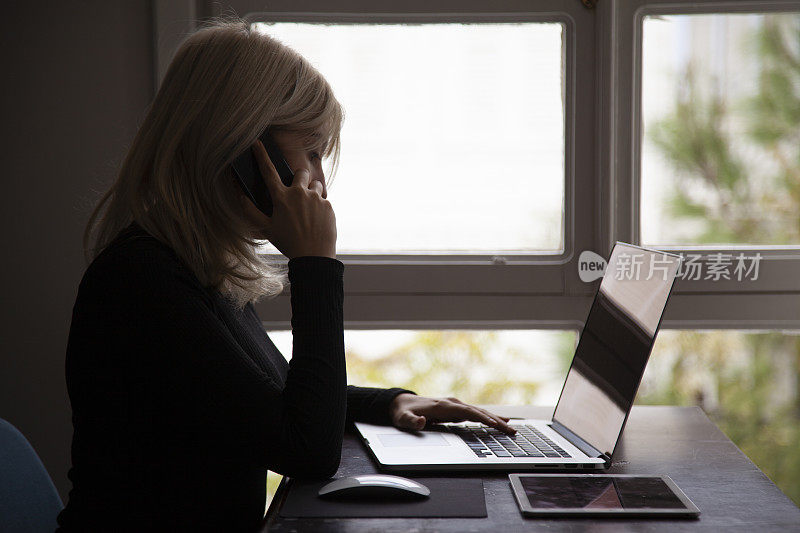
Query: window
(617, 83)
(453, 138)
(611, 182)
(667, 156)
(720, 105)
(494, 233)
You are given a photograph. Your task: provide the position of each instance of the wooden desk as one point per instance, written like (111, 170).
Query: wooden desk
(732, 493)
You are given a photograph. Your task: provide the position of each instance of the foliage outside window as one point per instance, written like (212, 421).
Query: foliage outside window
(731, 142)
(736, 168)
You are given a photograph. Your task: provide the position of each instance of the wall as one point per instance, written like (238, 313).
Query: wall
(76, 80)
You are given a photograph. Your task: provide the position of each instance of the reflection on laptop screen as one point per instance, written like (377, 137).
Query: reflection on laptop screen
(615, 344)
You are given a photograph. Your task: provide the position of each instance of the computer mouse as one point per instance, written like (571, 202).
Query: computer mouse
(374, 487)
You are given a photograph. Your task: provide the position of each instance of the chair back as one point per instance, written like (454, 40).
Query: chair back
(29, 502)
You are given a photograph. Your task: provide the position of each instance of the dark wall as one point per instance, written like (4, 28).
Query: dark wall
(75, 80)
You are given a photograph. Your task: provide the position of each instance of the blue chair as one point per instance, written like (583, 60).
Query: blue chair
(29, 501)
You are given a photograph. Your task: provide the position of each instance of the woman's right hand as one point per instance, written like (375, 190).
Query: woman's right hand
(302, 222)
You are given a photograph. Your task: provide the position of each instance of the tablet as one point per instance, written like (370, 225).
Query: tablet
(613, 495)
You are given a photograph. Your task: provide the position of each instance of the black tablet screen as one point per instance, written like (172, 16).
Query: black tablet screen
(599, 493)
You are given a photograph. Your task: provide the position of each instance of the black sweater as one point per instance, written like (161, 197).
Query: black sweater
(181, 403)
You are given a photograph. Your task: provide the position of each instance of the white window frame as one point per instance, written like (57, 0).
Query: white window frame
(602, 109)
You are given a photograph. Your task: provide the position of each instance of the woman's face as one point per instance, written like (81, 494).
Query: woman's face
(293, 150)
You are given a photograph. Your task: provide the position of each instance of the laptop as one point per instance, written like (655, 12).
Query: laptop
(595, 400)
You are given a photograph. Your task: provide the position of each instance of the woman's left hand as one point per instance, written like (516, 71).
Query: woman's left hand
(409, 411)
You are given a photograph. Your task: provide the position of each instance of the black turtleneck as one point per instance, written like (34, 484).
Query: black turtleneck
(181, 402)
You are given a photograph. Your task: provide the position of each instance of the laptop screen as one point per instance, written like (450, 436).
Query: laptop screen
(615, 344)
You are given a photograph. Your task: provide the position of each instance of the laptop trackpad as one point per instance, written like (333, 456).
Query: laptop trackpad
(412, 439)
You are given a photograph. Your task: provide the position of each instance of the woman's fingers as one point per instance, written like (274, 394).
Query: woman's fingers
(409, 420)
(476, 415)
(410, 411)
(302, 178)
(492, 420)
(317, 187)
(452, 410)
(303, 222)
(501, 421)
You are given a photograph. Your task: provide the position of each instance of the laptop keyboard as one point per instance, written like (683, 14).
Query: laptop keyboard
(490, 442)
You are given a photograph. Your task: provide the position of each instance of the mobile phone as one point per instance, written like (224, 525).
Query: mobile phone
(245, 168)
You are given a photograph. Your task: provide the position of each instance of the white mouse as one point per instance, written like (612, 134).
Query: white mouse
(375, 486)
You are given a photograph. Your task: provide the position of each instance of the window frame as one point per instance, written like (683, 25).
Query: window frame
(772, 301)
(602, 108)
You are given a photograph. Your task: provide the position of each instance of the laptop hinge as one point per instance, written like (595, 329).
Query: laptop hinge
(579, 443)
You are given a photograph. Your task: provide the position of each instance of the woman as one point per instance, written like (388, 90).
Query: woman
(181, 403)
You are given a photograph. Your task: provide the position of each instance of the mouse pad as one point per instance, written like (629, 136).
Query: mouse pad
(450, 498)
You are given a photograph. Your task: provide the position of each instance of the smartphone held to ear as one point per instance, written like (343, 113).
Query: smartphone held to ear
(247, 173)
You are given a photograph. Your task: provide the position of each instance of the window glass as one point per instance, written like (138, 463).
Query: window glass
(505, 366)
(747, 383)
(720, 161)
(453, 138)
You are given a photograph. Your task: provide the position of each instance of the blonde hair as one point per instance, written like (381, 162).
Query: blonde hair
(226, 84)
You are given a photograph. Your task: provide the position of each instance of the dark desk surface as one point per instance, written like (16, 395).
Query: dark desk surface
(731, 492)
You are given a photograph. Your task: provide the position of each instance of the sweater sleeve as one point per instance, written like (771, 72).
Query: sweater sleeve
(371, 405)
(316, 385)
(186, 380)
(317, 303)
